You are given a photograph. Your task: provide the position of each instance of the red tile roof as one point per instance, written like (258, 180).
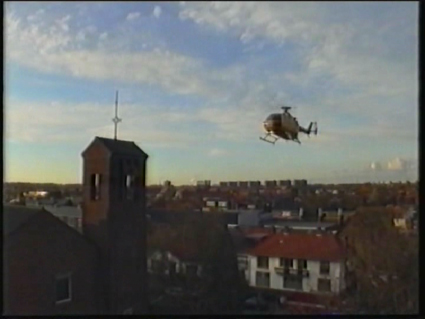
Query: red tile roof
(300, 246)
(256, 231)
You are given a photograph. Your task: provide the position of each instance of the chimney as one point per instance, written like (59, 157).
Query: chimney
(301, 213)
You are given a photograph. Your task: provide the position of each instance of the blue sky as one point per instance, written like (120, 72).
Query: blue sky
(196, 80)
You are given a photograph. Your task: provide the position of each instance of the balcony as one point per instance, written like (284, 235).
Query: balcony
(281, 270)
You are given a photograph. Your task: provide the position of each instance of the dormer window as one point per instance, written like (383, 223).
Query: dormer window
(95, 184)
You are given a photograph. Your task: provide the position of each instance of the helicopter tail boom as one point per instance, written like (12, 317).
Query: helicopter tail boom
(312, 128)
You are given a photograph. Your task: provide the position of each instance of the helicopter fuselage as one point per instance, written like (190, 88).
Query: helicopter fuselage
(282, 125)
(286, 127)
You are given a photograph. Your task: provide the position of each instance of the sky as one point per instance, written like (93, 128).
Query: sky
(196, 81)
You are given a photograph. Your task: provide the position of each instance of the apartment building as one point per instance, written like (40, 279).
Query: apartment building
(311, 263)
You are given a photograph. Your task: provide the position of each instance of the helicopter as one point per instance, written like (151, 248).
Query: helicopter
(285, 126)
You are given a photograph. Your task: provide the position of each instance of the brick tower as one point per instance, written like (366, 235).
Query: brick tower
(114, 201)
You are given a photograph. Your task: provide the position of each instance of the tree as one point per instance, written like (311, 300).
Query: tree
(383, 263)
(220, 285)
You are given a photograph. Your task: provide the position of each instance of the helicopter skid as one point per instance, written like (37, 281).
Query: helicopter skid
(268, 141)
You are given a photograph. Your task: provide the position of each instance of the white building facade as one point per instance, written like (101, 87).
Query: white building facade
(298, 262)
(301, 275)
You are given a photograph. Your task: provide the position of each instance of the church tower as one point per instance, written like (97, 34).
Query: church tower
(114, 201)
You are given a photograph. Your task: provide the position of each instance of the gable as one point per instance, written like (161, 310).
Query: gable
(95, 148)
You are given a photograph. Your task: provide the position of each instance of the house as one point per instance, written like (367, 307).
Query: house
(49, 268)
(174, 261)
(280, 225)
(52, 269)
(302, 262)
(70, 215)
(245, 239)
(406, 220)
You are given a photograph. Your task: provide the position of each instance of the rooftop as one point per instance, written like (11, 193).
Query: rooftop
(120, 146)
(300, 246)
(299, 224)
(16, 216)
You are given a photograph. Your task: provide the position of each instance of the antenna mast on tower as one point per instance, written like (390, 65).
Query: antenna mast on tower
(116, 119)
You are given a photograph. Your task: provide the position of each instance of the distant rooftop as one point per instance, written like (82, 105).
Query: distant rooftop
(299, 224)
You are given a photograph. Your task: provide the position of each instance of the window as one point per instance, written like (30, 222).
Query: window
(262, 279)
(302, 264)
(286, 263)
(293, 282)
(63, 288)
(324, 285)
(324, 267)
(130, 187)
(95, 181)
(263, 262)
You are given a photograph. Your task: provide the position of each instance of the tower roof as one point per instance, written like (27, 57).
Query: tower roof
(119, 147)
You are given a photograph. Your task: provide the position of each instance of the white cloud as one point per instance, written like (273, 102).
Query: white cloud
(157, 11)
(395, 164)
(376, 166)
(133, 16)
(216, 152)
(52, 50)
(398, 164)
(335, 54)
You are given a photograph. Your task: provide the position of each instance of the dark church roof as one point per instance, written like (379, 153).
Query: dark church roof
(120, 146)
(16, 216)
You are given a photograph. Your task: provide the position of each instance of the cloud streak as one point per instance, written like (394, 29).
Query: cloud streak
(133, 16)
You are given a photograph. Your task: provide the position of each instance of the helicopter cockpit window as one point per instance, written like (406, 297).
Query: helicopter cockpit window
(274, 117)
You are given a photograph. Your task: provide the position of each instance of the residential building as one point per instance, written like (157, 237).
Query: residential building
(174, 261)
(244, 239)
(49, 268)
(284, 183)
(250, 218)
(300, 183)
(205, 183)
(281, 225)
(243, 184)
(254, 184)
(313, 263)
(70, 215)
(270, 184)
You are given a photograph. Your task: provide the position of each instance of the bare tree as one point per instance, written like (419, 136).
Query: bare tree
(383, 264)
